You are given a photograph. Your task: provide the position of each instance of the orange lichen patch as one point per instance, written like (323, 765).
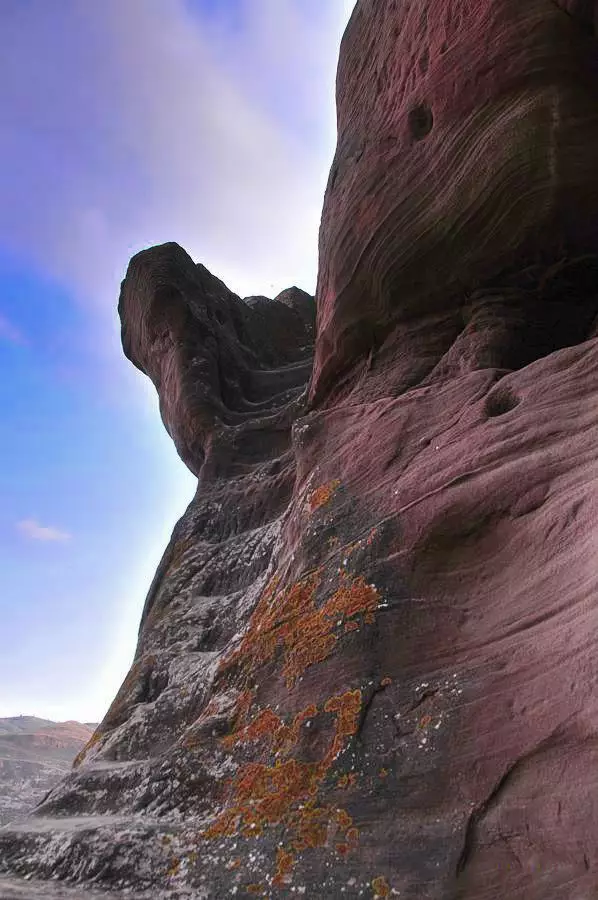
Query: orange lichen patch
(348, 707)
(371, 537)
(226, 825)
(284, 866)
(322, 495)
(350, 842)
(267, 727)
(383, 773)
(264, 795)
(272, 623)
(269, 791)
(310, 636)
(94, 739)
(311, 828)
(351, 626)
(351, 548)
(353, 598)
(424, 721)
(243, 705)
(352, 837)
(289, 621)
(343, 819)
(174, 868)
(255, 889)
(284, 793)
(234, 864)
(381, 887)
(308, 639)
(351, 779)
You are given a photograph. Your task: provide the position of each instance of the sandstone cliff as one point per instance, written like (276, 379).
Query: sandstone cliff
(367, 663)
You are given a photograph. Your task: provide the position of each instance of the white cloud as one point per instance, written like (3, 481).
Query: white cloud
(32, 529)
(138, 122)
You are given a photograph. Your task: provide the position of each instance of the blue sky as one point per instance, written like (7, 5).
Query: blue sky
(126, 123)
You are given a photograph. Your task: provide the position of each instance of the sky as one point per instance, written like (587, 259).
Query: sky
(127, 123)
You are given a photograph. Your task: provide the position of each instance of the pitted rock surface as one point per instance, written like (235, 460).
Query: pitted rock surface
(367, 662)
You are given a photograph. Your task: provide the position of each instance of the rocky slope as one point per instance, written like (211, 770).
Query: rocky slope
(34, 755)
(367, 662)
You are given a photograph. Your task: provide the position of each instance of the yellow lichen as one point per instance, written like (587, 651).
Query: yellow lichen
(174, 868)
(348, 780)
(381, 887)
(291, 627)
(265, 795)
(289, 621)
(284, 866)
(94, 739)
(371, 537)
(322, 495)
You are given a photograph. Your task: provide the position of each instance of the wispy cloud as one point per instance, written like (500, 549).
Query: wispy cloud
(218, 137)
(32, 529)
(9, 332)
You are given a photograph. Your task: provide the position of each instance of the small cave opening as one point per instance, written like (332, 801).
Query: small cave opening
(500, 401)
(152, 685)
(421, 121)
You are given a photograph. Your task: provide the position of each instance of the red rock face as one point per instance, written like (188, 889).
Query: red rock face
(466, 136)
(367, 663)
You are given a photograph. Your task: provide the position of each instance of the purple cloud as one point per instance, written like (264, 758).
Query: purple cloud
(32, 529)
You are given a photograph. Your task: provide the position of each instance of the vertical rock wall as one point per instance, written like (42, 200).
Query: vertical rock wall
(367, 663)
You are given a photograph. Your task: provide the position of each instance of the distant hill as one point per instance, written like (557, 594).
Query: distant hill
(34, 755)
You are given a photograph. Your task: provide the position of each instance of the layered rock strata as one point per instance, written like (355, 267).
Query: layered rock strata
(367, 663)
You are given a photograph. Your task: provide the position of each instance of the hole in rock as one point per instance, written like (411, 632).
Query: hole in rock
(153, 684)
(421, 121)
(500, 401)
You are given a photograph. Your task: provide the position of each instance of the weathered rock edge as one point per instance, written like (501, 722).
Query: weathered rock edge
(367, 664)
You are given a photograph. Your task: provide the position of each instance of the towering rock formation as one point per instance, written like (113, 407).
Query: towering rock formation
(367, 663)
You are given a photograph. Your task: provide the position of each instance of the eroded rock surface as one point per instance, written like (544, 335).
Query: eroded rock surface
(367, 663)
